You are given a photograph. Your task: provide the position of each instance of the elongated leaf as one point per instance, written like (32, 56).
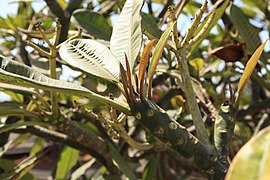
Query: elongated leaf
(120, 162)
(8, 127)
(127, 35)
(253, 159)
(68, 159)
(19, 89)
(16, 73)
(8, 165)
(91, 57)
(22, 168)
(150, 169)
(248, 71)
(247, 31)
(149, 23)
(81, 170)
(144, 59)
(93, 23)
(157, 55)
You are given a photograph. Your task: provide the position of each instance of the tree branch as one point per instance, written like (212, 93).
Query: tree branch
(63, 15)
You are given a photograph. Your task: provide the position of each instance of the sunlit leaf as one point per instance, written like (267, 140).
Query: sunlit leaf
(157, 55)
(16, 73)
(127, 36)
(251, 64)
(91, 57)
(81, 170)
(68, 159)
(145, 59)
(37, 146)
(62, 3)
(197, 63)
(253, 159)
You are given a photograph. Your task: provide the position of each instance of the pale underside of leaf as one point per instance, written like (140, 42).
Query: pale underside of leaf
(251, 64)
(16, 73)
(92, 57)
(127, 36)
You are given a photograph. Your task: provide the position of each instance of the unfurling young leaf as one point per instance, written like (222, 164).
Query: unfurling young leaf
(96, 59)
(127, 35)
(157, 54)
(143, 64)
(248, 71)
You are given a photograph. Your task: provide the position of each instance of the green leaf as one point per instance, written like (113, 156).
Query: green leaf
(121, 163)
(23, 167)
(157, 55)
(62, 3)
(93, 23)
(150, 169)
(127, 36)
(16, 73)
(197, 63)
(37, 146)
(4, 148)
(251, 64)
(253, 159)
(149, 23)
(8, 127)
(247, 31)
(68, 159)
(7, 88)
(92, 57)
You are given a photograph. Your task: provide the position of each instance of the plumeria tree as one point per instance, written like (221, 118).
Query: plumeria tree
(153, 100)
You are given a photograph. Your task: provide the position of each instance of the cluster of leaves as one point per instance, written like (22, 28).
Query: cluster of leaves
(90, 132)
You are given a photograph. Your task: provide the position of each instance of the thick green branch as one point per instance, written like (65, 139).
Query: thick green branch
(191, 100)
(87, 139)
(160, 125)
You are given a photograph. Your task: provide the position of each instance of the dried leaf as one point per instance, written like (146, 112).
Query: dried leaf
(229, 53)
(248, 71)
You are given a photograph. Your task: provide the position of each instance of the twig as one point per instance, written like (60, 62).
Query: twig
(194, 25)
(187, 81)
(37, 48)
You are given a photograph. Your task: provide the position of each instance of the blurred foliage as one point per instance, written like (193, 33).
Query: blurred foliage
(212, 64)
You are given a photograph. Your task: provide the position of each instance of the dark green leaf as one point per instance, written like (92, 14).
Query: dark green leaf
(121, 163)
(93, 23)
(150, 169)
(149, 23)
